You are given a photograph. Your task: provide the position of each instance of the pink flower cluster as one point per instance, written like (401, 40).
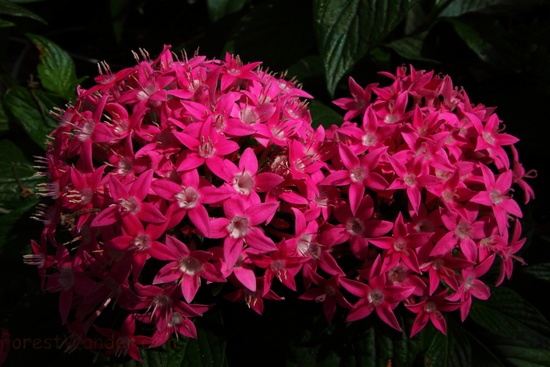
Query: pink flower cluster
(176, 176)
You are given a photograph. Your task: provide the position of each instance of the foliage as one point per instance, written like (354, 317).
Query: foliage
(497, 50)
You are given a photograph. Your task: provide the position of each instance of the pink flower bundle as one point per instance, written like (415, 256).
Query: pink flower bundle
(177, 176)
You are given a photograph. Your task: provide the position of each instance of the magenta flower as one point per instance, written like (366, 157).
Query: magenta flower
(179, 180)
(239, 227)
(431, 309)
(124, 342)
(496, 196)
(376, 296)
(129, 202)
(185, 267)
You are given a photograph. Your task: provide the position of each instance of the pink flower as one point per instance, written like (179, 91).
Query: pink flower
(376, 296)
(431, 309)
(177, 175)
(327, 292)
(184, 266)
(496, 196)
(129, 202)
(239, 227)
(124, 342)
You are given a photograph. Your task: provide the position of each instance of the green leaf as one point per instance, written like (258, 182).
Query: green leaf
(17, 177)
(30, 109)
(347, 29)
(4, 123)
(57, 71)
(410, 48)
(456, 8)
(308, 67)
(208, 350)
(323, 114)
(507, 314)
(14, 228)
(538, 271)
(218, 9)
(488, 41)
(276, 32)
(5, 23)
(119, 13)
(451, 350)
(9, 8)
(522, 356)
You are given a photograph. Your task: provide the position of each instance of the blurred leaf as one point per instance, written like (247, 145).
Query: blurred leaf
(57, 71)
(522, 356)
(313, 355)
(271, 33)
(4, 123)
(30, 109)
(8, 7)
(538, 271)
(323, 114)
(118, 15)
(456, 8)
(12, 232)
(208, 350)
(410, 48)
(507, 314)
(16, 175)
(487, 41)
(355, 345)
(348, 29)
(308, 67)
(5, 23)
(218, 9)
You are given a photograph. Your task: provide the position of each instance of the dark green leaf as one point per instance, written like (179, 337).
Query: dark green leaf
(323, 114)
(9, 8)
(12, 231)
(347, 29)
(30, 109)
(5, 23)
(538, 271)
(4, 123)
(270, 33)
(118, 15)
(506, 314)
(57, 71)
(17, 177)
(456, 8)
(522, 356)
(208, 350)
(488, 41)
(451, 350)
(218, 9)
(410, 48)
(308, 67)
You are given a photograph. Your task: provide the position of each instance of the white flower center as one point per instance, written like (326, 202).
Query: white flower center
(238, 227)
(355, 226)
(243, 182)
(129, 205)
(463, 230)
(187, 198)
(369, 139)
(357, 174)
(376, 297)
(190, 266)
(495, 196)
(141, 242)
